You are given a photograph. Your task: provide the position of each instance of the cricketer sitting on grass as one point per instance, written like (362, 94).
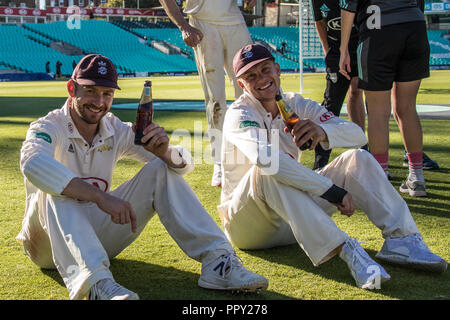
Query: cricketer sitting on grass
(74, 222)
(264, 208)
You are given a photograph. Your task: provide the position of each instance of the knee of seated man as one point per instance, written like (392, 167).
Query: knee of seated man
(360, 157)
(39, 251)
(155, 166)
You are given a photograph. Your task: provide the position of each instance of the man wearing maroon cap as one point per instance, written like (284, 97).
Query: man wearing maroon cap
(74, 222)
(270, 199)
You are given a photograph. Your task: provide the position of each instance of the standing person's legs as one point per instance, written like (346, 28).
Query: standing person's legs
(355, 104)
(405, 112)
(379, 52)
(378, 115)
(413, 66)
(209, 58)
(234, 38)
(334, 95)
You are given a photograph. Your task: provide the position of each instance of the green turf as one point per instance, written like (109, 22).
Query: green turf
(155, 267)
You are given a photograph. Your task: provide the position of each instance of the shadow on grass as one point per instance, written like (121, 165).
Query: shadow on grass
(434, 91)
(154, 282)
(405, 284)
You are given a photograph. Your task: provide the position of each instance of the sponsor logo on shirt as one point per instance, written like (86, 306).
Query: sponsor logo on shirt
(248, 123)
(335, 24)
(41, 135)
(104, 148)
(326, 116)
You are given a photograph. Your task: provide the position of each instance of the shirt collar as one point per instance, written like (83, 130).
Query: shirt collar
(105, 129)
(259, 107)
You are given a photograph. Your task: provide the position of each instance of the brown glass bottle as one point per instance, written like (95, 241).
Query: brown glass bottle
(144, 112)
(289, 117)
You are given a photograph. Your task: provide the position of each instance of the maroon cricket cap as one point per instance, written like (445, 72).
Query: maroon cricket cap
(249, 56)
(95, 70)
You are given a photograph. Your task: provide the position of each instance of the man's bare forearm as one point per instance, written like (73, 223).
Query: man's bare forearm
(174, 13)
(81, 190)
(323, 37)
(347, 18)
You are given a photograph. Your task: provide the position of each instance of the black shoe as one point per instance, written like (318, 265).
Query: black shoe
(320, 162)
(365, 147)
(428, 164)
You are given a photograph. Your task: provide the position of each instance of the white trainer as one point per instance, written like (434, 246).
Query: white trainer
(228, 273)
(367, 273)
(108, 289)
(216, 180)
(411, 251)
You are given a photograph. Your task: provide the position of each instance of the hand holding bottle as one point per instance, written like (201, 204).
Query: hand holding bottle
(304, 131)
(292, 120)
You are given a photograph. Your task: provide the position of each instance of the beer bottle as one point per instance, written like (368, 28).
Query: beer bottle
(144, 112)
(290, 118)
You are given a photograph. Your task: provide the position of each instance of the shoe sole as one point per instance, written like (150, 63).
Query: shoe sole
(250, 288)
(413, 193)
(439, 267)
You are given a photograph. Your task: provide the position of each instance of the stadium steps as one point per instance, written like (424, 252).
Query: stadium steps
(169, 35)
(121, 46)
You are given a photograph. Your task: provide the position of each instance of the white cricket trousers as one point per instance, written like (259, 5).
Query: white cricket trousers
(214, 56)
(83, 238)
(264, 213)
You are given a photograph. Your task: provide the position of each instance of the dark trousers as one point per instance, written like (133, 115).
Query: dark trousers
(335, 92)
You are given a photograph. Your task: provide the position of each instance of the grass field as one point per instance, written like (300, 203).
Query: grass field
(154, 266)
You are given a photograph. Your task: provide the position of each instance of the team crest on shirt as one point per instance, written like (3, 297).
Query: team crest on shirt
(326, 116)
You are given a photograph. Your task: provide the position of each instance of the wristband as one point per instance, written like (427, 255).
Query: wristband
(335, 194)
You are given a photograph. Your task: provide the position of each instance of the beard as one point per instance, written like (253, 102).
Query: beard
(82, 110)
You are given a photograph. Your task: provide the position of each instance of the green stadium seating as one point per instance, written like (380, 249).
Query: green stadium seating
(121, 41)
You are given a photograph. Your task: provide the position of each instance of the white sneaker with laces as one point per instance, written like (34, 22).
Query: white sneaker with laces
(411, 251)
(414, 188)
(108, 289)
(216, 180)
(228, 273)
(367, 273)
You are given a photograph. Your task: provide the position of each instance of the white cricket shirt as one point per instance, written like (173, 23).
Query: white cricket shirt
(54, 153)
(252, 137)
(222, 12)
